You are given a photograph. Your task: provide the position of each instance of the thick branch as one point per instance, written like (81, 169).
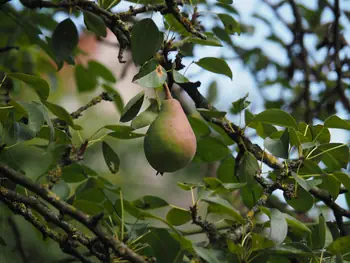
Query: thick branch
(90, 222)
(50, 216)
(21, 209)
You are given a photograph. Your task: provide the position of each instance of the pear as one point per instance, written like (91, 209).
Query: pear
(170, 143)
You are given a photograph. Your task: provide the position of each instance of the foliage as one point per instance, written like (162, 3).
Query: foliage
(88, 216)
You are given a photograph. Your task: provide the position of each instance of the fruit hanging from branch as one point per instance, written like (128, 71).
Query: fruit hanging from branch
(170, 143)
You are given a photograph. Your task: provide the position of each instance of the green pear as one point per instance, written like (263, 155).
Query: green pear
(170, 143)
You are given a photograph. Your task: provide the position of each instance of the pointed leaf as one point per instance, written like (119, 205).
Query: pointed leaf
(179, 78)
(210, 149)
(61, 113)
(231, 25)
(276, 117)
(122, 132)
(279, 226)
(340, 245)
(146, 117)
(149, 202)
(146, 40)
(151, 75)
(224, 207)
(40, 85)
(132, 107)
(64, 39)
(216, 65)
(95, 24)
(111, 158)
(177, 216)
(337, 123)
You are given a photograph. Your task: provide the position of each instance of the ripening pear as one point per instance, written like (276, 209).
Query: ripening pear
(170, 143)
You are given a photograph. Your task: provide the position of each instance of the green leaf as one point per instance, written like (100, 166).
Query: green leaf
(178, 216)
(146, 40)
(222, 35)
(61, 113)
(209, 255)
(199, 127)
(276, 117)
(293, 249)
(340, 245)
(132, 107)
(304, 184)
(111, 158)
(61, 189)
(303, 201)
(35, 116)
(331, 184)
(318, 236)
(149, 202)
(217, 186)
(84, 79)
(260, 242)
(187, 186)
(75, 173)
(230, 24)
(123, 132)
(100, 70)
(210, 41)
(212, 92)
(60, 137)
(95, 24)
(248, 168)
(279, 226)
(147, 117)
(220, 133)
(88, 207)
(216, 65)
(234, 248)
(226, 170)
(65, 38)
(264, 130)
(164, 246)
(228, 2)
(278, 147)
(40, 85)
(210, 149)
(212, 183)
(337, 123)
(240, 104)
(343, 178)
(222, 206)
(151, 75)
(208, 114)
(173, 24)
(250, 194)
(334, 155)
(296, 225)
(179, 78)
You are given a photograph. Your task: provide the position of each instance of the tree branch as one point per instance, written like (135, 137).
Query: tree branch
(91, 222)
(52, 217)
(18, 208)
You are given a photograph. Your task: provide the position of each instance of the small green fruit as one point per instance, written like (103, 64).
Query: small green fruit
(170, 143)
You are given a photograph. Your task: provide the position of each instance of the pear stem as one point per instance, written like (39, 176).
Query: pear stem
(167, 91)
